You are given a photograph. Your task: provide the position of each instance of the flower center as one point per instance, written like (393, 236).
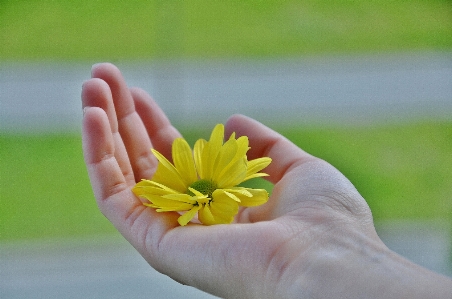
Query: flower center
(206, 187)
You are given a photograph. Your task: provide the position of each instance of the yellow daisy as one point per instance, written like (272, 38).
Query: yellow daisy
(204, 181)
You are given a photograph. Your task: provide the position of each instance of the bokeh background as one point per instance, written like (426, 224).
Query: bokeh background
(402, 166)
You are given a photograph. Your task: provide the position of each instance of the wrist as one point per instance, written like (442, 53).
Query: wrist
(359, 267)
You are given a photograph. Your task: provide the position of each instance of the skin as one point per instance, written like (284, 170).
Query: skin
(315, 238)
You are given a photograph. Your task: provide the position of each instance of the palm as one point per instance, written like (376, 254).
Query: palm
(117, 142)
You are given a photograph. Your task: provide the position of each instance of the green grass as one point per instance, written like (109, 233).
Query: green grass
(403, 171)
(45, 189)
(137, 30)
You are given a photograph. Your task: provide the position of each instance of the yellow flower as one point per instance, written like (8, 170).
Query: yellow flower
(204, 181)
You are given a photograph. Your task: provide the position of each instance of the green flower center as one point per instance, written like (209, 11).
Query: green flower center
(206, 187)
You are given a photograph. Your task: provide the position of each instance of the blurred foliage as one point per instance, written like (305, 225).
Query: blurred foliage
(138, 29)
(403, 171)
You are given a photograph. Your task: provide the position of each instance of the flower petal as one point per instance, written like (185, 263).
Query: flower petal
(259, 196)
(165, 204)
(256, 165)
(225, 156)
(205, 215)
(147, 187)
(188, 216)
(197, 193)
(217, 136)
(181, 198)
(211, 150)
(243, 143)
(183, 161)
(166, 174)
(229, 194)
(234, 172)
(221, 209)
(256, 175)
(240, 190)
(198, 150)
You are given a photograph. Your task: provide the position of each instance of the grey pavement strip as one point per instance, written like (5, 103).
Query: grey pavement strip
(350, 89)
(94, 267)
(109, 267)
(427, 243)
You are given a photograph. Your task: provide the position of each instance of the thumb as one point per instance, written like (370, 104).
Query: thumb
(286, 158)
(265, 142)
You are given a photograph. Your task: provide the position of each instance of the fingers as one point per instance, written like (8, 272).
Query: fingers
(135, 221)
(96, 93)
(105, 173)
(123, 101)
(265, 142)
(157, 125)
(130, 126)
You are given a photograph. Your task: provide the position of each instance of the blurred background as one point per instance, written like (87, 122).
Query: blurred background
(365, 85)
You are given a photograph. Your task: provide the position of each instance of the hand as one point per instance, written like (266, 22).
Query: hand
(314, 238)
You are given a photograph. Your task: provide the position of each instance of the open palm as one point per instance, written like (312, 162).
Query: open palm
(261, 254)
